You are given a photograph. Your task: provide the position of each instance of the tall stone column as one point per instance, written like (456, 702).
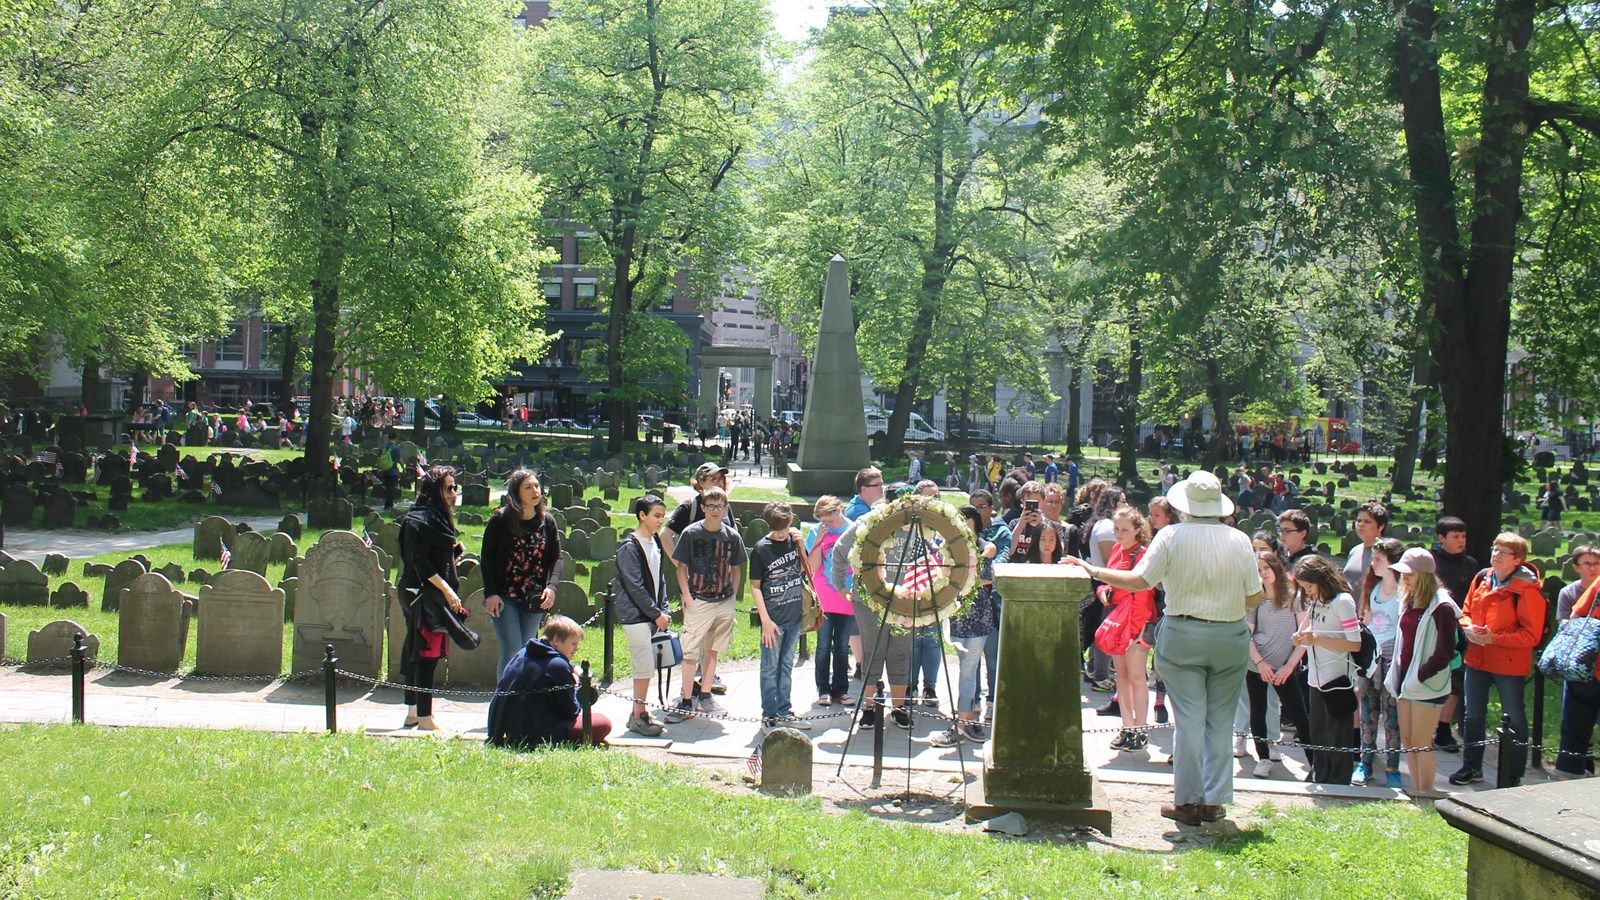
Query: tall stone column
(1035, 764)
(763, 400)
(833, 445)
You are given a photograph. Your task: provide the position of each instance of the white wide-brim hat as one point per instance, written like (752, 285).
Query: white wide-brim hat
(1200, 495)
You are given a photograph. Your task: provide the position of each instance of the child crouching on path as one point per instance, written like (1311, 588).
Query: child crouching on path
(538, 702)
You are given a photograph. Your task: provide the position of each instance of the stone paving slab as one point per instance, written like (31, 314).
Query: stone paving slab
(598, 884)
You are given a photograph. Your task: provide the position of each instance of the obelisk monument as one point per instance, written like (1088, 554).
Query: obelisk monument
(833, 438)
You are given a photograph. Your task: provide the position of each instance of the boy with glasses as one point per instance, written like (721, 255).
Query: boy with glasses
(1294, 533)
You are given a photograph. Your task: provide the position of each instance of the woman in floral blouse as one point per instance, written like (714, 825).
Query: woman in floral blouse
(521, 562)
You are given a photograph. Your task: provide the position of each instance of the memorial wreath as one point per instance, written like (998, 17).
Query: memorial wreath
(928, 588)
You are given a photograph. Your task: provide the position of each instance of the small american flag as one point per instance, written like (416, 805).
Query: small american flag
(920, 575)
(227, 555)
(133, 453)
(336, 463)
(754, 764)
(216, 489)
(182, 475)
(366, 536)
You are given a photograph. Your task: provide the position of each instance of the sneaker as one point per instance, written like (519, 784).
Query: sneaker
(1360, 776)
(974, 732)
(1263, 769)
(1273, 754)
(717, 687)
(681, 712)
(1137, 740)
(1392, 779)
(1109, 686)
(1285, 725)
(929, 698)
(824, 700)
(645, 726)
(1114, 708)
(1446, 743)
(710, 706)
(869, 718)
(948, 738)
(1161, 714)
(1465, 775)
(769, 725)
(901, 717)
(1241, 748)
(795, 722)
(845, 700)
(1121, 740)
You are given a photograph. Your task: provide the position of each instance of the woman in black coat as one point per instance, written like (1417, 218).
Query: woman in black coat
(428, 589)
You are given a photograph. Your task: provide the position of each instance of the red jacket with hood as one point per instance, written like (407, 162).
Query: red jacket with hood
(1514, 614)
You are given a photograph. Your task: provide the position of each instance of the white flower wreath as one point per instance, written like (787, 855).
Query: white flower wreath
(942, 526)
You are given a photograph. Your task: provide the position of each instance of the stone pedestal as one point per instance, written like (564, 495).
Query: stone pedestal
(1035, 765)
(1539, 841)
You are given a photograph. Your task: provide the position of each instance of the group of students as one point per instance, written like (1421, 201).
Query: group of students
(1445, 632)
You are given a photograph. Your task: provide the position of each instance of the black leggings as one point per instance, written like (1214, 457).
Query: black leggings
(1291, 701)
(421, 677)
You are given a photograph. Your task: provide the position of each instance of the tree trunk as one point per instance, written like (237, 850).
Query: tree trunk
(92, 383)
(419, 420)
(287, 367)
(1075, 408)
(1221, 397)
(1470, 294)
(1128, 464)
(1405, 449)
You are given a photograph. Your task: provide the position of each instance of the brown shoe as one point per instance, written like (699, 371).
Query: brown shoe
(1213, 813)
(1184, 814)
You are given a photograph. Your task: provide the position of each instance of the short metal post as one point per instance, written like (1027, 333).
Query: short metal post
(881, 711)
(1505, 778)
(609, 675)
(587, 696)
(1536, 731)
(80, 667)
(331, 698)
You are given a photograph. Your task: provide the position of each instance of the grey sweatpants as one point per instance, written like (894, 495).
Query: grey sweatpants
(1203, 664)
(881, 645)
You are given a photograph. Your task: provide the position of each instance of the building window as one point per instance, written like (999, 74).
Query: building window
(231, 348)
(586, 295)
(552, 294)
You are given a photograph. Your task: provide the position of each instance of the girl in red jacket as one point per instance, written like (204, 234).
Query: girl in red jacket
(1133, 691)
(1503, 620)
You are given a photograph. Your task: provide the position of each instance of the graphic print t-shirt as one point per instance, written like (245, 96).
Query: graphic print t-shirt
(710, 557)
(776, 564)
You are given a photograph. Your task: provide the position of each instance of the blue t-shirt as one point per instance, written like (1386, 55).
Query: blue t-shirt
(1051, 473)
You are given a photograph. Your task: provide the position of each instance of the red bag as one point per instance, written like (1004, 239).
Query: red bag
(1114, 634)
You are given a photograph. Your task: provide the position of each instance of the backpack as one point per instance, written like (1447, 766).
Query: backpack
(1546, 629)
(391, 459)
(1362, 659)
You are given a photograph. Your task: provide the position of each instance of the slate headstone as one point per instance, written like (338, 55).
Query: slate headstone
(61, 510)
(16, 506)
(241, 626)
(786, 763)
(153, 625)
(340, 600)
(22, 584)
(53, 642)
(118, 578)
(69, 596)
(480, 667)
(55, 564)
(250, 552)
(210, 534)
(290, 525)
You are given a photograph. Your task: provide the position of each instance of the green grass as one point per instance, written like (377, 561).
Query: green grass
(244, 814)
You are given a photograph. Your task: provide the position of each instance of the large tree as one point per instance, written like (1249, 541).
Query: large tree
(334, 158)
(641, 112)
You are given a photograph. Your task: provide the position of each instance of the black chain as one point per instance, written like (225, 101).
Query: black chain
(448, 692)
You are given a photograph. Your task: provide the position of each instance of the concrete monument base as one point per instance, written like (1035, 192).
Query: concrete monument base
(815, 482)
(1094, 812)
(1539, 841)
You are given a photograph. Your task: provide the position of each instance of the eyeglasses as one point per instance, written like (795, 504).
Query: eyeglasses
(717, 508)
(873, 484)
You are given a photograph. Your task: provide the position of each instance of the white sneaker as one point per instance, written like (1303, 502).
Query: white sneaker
(1263, 769)
(795, 722)
(1241, 748)
(1274, 755)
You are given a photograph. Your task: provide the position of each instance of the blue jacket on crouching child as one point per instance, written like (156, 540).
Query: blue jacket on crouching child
(542, 715)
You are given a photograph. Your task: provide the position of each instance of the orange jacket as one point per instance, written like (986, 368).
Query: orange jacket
(1514, 614)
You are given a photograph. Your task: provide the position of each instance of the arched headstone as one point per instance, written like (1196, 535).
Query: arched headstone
(341, 601)
(53, 642)
(209, 535)
(22, 584)
(241, 626)
(153, 625)
(480, 667)
(120, 577)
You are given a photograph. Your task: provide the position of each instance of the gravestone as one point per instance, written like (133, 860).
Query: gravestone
(600, 578)
(109, 468)
(250, 552)
(53, 642)
(241, 626)
(475, 495)
(603, 543)
(61, 510)
(480, 667)
(652, 478)
(167, 457)
(471, 582)
(1035, 761)
(16, 506)
(1532, 841)
(74, 467)
(561, 496)
(153, 624)
(577, 543)
(281, 548)
(55, 564)
(786, 763)
(117, 578)
(200, 576)
(396, 627)
(571, 601)
(121, 493)
(2, 635)
(290, 525)
(211, 534)
(340, 600)
(96, 570)
(69, 596)
(330, 513)
(171, 571)
(22, 584)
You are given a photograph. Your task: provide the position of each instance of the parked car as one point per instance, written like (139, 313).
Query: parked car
(559, 424)
(917, 429)
(981, 436)
(472, 419)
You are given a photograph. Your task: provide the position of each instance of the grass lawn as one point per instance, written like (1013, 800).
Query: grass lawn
(245, 814)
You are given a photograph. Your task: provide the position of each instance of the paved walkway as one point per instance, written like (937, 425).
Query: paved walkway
(118, 699)
(34, 545)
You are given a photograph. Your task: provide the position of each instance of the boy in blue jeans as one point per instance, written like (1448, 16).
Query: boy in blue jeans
(777, 583)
